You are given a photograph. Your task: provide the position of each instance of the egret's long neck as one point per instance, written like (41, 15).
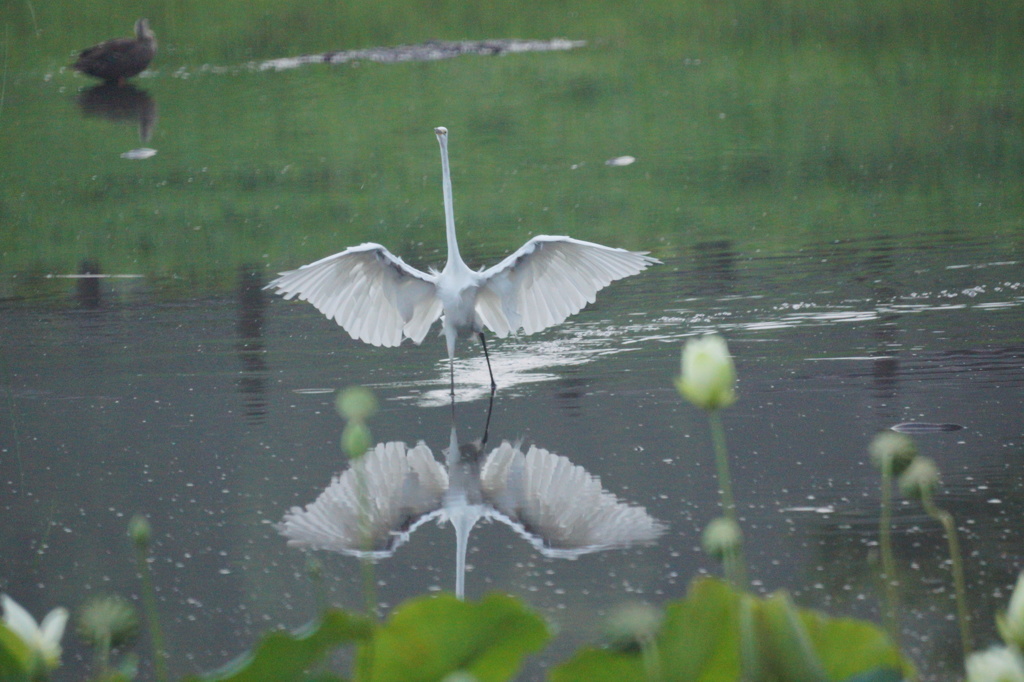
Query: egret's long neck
(449, 210)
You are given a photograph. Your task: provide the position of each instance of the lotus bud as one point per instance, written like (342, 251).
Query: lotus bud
(356, 439)
(920, 479)
(892, 452)
(998, 664)
(708, 373)
(631, 625)
(356, 404)
(1011, 623)
(721, 538)
(139, 531)
(108, 621)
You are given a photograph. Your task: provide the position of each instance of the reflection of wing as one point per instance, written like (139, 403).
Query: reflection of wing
(370, 509)
(559, 507)
(369, 291)
(548, 279)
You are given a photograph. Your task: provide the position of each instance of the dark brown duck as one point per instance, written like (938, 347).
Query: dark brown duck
(115, 60)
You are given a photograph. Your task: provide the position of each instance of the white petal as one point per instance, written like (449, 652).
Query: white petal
(20, 621)
(1015, 611)
(53, 630)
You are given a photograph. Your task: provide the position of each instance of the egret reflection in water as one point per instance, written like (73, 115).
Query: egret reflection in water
(371, 509)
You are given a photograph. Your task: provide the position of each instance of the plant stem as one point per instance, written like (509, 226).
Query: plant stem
(963, 615)
(735, 565)
(369, 588)
(889, 580)
(651, 658)
(722, 463)
(102, 661)
(152, 618)
(315, 571)
(365, 564)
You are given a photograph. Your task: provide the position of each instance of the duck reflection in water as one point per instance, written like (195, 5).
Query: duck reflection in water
(372, 508)
(123, 104)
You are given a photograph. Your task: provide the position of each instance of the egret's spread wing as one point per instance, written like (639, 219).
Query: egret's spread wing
(549, 279)
(369, 291)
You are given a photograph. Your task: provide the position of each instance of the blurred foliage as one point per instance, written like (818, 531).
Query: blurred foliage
(425, 639)
(707, 635)
(702, 637)
(15, 656)
(284, 656)
(431, 637)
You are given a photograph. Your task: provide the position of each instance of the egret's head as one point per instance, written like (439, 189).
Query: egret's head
(440, 131)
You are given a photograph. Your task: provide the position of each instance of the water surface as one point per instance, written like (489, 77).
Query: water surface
(842, 203)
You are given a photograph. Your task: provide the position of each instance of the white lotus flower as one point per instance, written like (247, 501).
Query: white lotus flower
(1011, 623)
(998, 664)
(43, 640)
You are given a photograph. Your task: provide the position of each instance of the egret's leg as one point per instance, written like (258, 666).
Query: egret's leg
(487, 424)
(483, 342)
(450, 334)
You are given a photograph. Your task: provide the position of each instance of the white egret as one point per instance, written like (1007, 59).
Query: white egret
(377, 298)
